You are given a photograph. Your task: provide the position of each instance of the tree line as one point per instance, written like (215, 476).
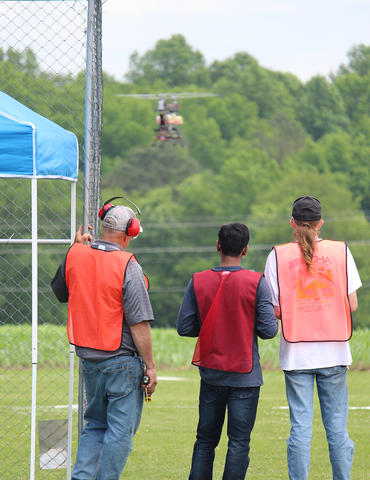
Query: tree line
(266, 139)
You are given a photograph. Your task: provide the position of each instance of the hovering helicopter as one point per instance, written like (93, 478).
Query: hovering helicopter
(168, 119)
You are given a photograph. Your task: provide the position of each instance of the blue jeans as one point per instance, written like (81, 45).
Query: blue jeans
(112, 415)
(241, 406)
(333, 396)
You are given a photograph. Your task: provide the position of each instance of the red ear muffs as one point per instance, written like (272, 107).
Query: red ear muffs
(133, 227)
(104, 210)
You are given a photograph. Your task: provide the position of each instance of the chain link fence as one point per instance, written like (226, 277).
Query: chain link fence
(46, 48)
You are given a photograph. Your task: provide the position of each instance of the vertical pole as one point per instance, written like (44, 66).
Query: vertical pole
(71, 350)
(73, 209)
(88, 112)
(93, 114)
(87, 173)
(70, 412)
(92, 151)
(34, 323)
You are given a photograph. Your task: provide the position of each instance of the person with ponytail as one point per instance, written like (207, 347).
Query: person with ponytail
(313, 285)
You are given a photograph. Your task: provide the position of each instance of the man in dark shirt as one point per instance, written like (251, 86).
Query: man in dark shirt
(227, 307)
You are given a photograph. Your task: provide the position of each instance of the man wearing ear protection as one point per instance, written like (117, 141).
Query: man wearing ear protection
(108, 322)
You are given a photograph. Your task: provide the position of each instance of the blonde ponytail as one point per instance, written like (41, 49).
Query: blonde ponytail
(306, 234)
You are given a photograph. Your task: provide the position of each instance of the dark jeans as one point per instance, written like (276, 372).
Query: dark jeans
(241, 405)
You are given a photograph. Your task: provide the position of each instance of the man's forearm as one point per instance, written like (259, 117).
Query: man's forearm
(143, 341)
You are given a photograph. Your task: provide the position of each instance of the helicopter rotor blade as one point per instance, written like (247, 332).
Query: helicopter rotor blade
(193, 95)
(145, 96)
(156, 96)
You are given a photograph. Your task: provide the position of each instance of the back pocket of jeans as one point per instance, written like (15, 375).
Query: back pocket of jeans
(119, 379)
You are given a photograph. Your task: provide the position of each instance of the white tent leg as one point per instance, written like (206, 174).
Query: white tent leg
(34, 323)
(70, 412)
(71, 349)
(73, 209)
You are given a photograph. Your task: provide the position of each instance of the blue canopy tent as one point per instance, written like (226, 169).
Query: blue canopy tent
(33, 147)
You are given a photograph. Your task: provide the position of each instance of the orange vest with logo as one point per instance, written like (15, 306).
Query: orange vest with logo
(95, 313)
(314, 305)
(227, 309)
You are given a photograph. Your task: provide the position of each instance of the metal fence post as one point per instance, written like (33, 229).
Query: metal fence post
(93, 122)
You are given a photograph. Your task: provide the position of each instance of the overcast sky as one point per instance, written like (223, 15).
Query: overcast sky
(304, 37)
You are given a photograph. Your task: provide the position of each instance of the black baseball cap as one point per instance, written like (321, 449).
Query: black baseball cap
(306, 209)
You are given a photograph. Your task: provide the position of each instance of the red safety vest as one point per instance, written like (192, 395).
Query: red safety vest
(95, 313)
(314, 305)
(226, 302)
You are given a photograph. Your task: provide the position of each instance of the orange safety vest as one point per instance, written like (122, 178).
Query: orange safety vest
(227, 309)
(95, 313)
(314, 305)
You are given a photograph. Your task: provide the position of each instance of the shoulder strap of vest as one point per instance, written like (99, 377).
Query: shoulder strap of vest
(214, 306)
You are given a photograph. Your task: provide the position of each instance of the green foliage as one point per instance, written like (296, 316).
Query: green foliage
(281, 137)
(235, 116)
(355, 91)
(204, 138)
(358, 61)
(125, 126)
(172, 61)
(321, 108)
(248, 170)
(265, 140)
(144, 169)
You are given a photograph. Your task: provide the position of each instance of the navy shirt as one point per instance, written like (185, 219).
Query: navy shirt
(266, 326)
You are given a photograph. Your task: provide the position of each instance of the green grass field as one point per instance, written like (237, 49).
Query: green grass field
(171, 351)
(163, 445)
(167, 432)
(164, 442)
